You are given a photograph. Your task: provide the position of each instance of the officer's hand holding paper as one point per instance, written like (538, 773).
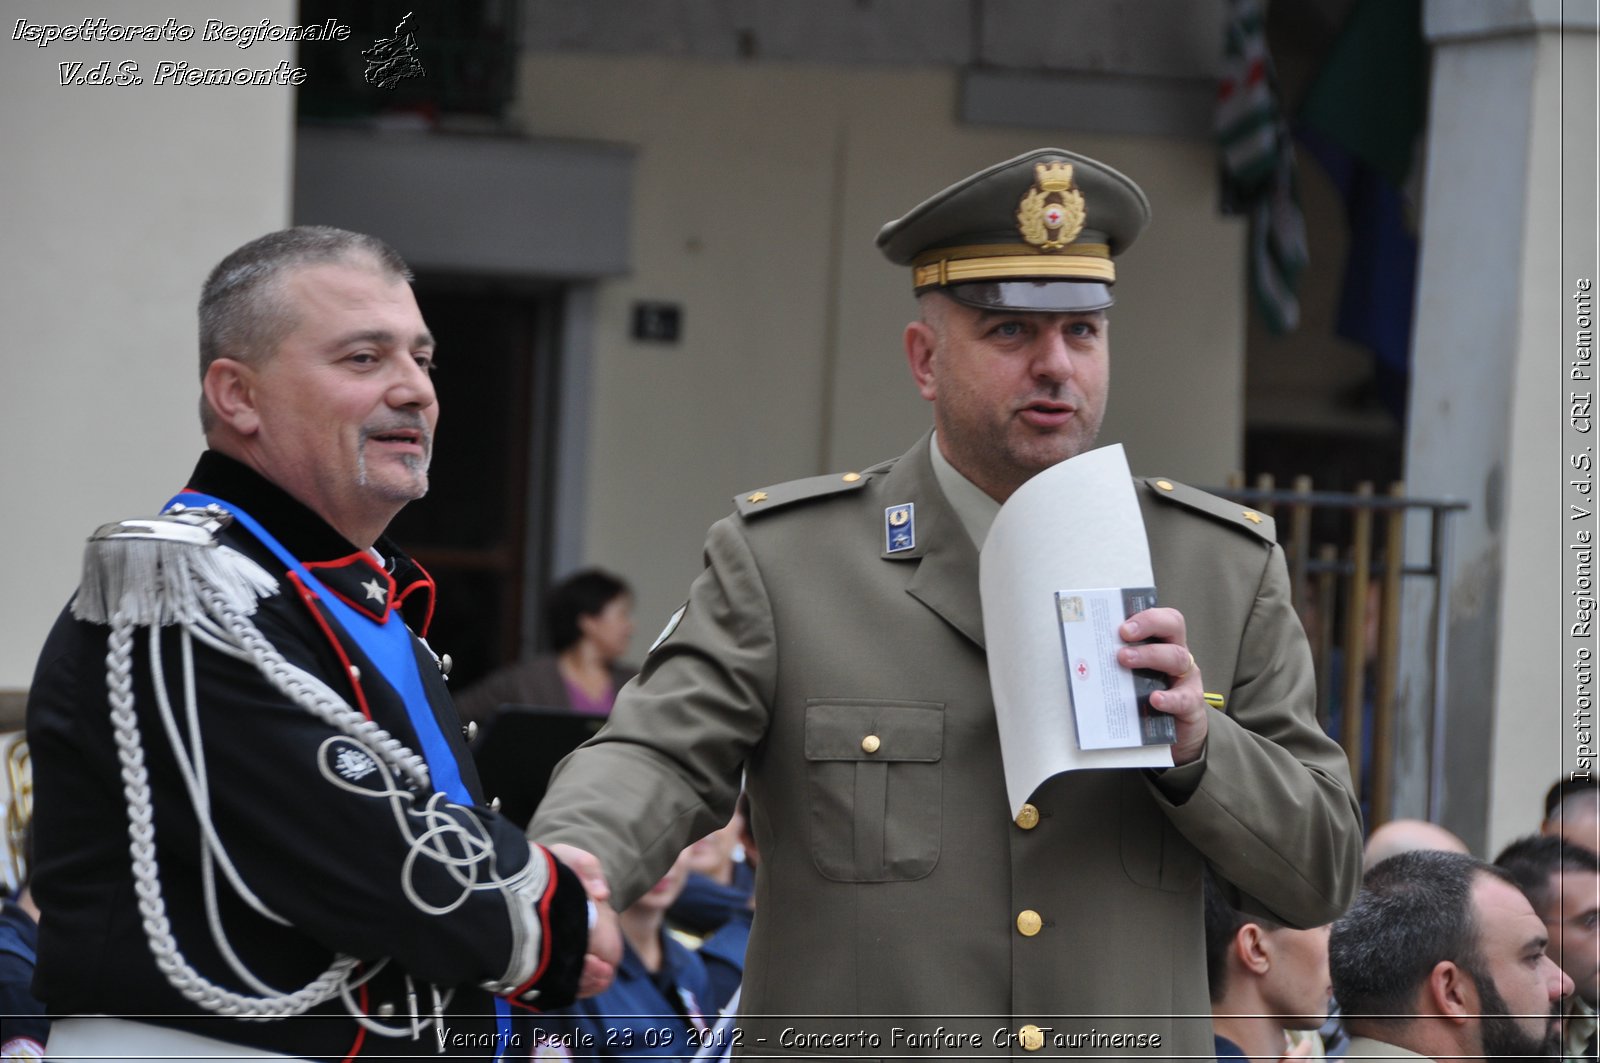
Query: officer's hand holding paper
(1065, 563)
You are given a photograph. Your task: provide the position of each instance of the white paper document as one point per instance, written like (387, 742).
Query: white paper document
(1076, 526)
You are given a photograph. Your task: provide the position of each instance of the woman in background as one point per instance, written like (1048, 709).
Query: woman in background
(589, 617)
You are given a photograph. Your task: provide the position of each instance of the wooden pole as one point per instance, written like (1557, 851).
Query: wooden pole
(1383, 753)
(1355, 643)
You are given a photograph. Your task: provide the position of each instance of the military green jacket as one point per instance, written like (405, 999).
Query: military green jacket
(894, 889)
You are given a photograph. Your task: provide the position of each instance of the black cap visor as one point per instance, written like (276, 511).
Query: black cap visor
(1048, 296)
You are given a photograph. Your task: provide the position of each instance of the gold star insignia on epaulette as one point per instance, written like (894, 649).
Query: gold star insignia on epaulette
(759, 496)
(1252, 516)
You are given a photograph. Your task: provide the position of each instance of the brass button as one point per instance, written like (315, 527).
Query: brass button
(1032, 1037)
(1028, 818)
(1165, 485)
(870, 744)
(1029, 923)
(850, 477)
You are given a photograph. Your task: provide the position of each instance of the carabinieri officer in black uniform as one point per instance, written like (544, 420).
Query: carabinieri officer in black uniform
(257, 825)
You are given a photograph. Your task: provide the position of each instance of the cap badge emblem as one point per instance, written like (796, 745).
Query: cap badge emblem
(1051, 214)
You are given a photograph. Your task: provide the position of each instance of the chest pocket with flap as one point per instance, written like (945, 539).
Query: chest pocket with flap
(874, 787)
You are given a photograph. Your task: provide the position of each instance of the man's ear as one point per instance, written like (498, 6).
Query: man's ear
(229, 387)
(1249, 948)
(920, 342)
(1450, 993)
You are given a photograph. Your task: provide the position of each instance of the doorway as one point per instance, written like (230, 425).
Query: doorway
(484, 529)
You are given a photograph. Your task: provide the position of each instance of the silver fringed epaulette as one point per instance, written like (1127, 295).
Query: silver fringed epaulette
(157, 570)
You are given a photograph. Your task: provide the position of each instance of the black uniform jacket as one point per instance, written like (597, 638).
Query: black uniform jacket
(331, 860)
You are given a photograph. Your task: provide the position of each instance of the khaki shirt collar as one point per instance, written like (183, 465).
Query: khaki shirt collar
(973, 506)
(1366, 1048)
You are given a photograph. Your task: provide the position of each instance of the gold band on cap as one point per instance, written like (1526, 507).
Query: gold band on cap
(1086, 250)
(982, 262)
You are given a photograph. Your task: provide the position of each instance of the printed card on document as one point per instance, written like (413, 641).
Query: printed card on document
(1110, 703)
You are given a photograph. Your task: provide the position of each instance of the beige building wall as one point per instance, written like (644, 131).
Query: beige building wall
(117, 200)
(758, 192)
(1536, 688)
(1490, 400)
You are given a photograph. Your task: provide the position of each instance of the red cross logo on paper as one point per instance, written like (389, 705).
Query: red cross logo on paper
(1082, 669)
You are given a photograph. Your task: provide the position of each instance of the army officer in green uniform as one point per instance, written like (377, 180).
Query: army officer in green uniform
(833, 648)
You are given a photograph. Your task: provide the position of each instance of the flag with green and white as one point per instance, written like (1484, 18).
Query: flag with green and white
(1258, 165)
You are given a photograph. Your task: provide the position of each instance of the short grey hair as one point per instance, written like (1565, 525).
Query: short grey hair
(243, 312)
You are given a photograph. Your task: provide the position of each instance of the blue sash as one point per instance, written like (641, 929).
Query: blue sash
(388, 646)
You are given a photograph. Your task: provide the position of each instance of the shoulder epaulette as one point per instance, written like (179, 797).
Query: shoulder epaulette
(767, 499)
(1229, 512)
(156, 570)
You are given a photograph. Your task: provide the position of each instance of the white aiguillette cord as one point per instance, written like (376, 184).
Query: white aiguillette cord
(170, 570)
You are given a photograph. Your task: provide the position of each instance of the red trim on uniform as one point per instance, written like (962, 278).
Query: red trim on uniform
(363, 607)
(361, 1031)
(544, 925)
(544, 911)
(310, 599)
(433, 597)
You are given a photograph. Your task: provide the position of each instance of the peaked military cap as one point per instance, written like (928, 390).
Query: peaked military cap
(1036, 232)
